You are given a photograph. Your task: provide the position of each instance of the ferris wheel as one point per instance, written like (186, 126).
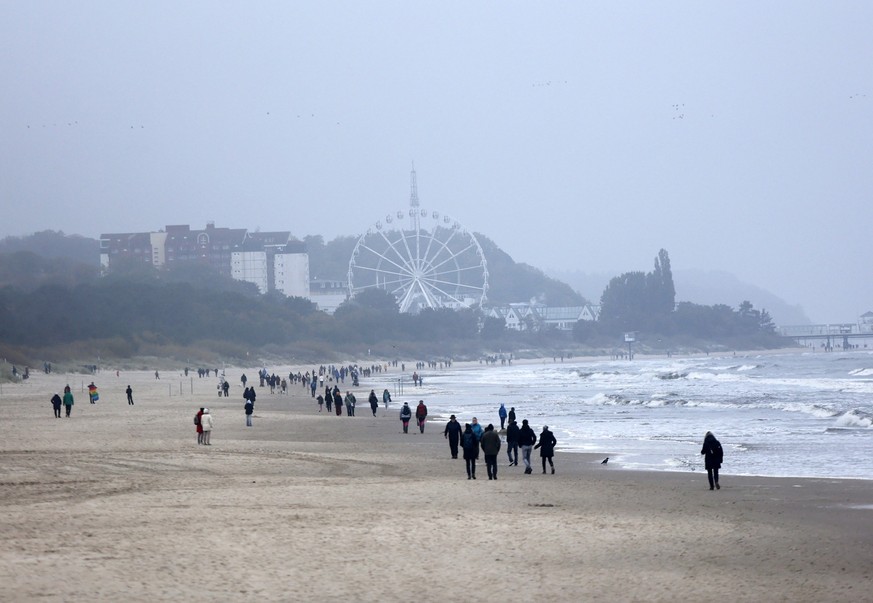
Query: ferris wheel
(424, 259)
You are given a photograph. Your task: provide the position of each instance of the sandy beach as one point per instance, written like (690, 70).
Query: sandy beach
(119, 502)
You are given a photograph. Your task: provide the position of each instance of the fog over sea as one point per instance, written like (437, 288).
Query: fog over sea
(801, 414)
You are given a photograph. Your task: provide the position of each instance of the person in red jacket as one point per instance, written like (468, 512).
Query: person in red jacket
(421, 415)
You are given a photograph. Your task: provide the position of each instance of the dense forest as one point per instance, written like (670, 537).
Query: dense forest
(56, 308)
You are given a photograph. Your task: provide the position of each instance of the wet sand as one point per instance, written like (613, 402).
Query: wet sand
(120, 503)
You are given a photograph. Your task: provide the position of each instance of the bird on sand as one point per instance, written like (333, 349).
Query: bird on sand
(604, 461)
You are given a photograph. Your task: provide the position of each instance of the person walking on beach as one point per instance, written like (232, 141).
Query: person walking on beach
(501, 412)
(129, 393)
(320, 400)
(511, 415)
(351, 401)
(421, 415)
(207, 424)
(250, 408)
(68, 400)
(547, 447)
(56, 404)
(512, 442)
(386, 397)
(157, 375)
(714, 456)
(470, 443)
(477, 428)
(453, 434)
(490, 443)
(374, 401)
(93, 396)
(328, 401)
(405, 416)
(338, 403)
(198, 426)
(526, 439)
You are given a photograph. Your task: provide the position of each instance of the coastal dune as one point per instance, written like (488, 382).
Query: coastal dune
(120, 502)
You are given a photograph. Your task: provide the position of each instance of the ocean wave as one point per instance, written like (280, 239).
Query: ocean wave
(864, 372)
(672, 375)
(854, 418)
(748, 367)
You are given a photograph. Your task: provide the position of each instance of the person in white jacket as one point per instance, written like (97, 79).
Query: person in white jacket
(207, 424)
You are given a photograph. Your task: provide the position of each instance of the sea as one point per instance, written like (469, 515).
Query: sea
(798, 414)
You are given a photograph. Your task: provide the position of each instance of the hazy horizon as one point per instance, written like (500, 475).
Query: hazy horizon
(577, 136)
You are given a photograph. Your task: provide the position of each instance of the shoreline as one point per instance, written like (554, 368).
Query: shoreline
(305, 505)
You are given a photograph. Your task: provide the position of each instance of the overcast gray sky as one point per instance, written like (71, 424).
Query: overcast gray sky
(576, 135)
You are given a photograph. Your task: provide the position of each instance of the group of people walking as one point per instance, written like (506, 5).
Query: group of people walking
(420, 415)
(474, 437)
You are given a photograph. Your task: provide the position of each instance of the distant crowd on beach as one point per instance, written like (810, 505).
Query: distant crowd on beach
(323, 384)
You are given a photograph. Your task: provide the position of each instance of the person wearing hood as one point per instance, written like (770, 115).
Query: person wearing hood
(405, 416)
(452, 433)
(714, 456)
(511, 414)
(56, 404)
(490, 443)
(501, 412)
(477, 428)
(374, 401)
(547, 447)
(207, 424)
(471, 450)
(526, 439)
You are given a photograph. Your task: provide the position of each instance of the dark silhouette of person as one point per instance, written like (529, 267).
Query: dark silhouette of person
(547, 447)
(490, 443)
(452, 433)
(56, 404)
(712, 460)
(471, 450)
(129, 393)
(512, 432)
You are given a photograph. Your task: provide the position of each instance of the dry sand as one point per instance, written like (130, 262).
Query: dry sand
(120, 503)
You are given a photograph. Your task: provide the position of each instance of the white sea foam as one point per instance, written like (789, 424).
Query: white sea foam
(794, 414)
(854, 418)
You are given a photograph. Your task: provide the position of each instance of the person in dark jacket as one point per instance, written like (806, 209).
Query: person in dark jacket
(511, 415)
(250, 408)
(453, 434)
(490, 443)
(405, 416)
(526, 439)
(374, 401)
(714, 456)
(129, 393)
(547, 447)
(56, 404)
(512, 442)
(471, 450)
(338, 403)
